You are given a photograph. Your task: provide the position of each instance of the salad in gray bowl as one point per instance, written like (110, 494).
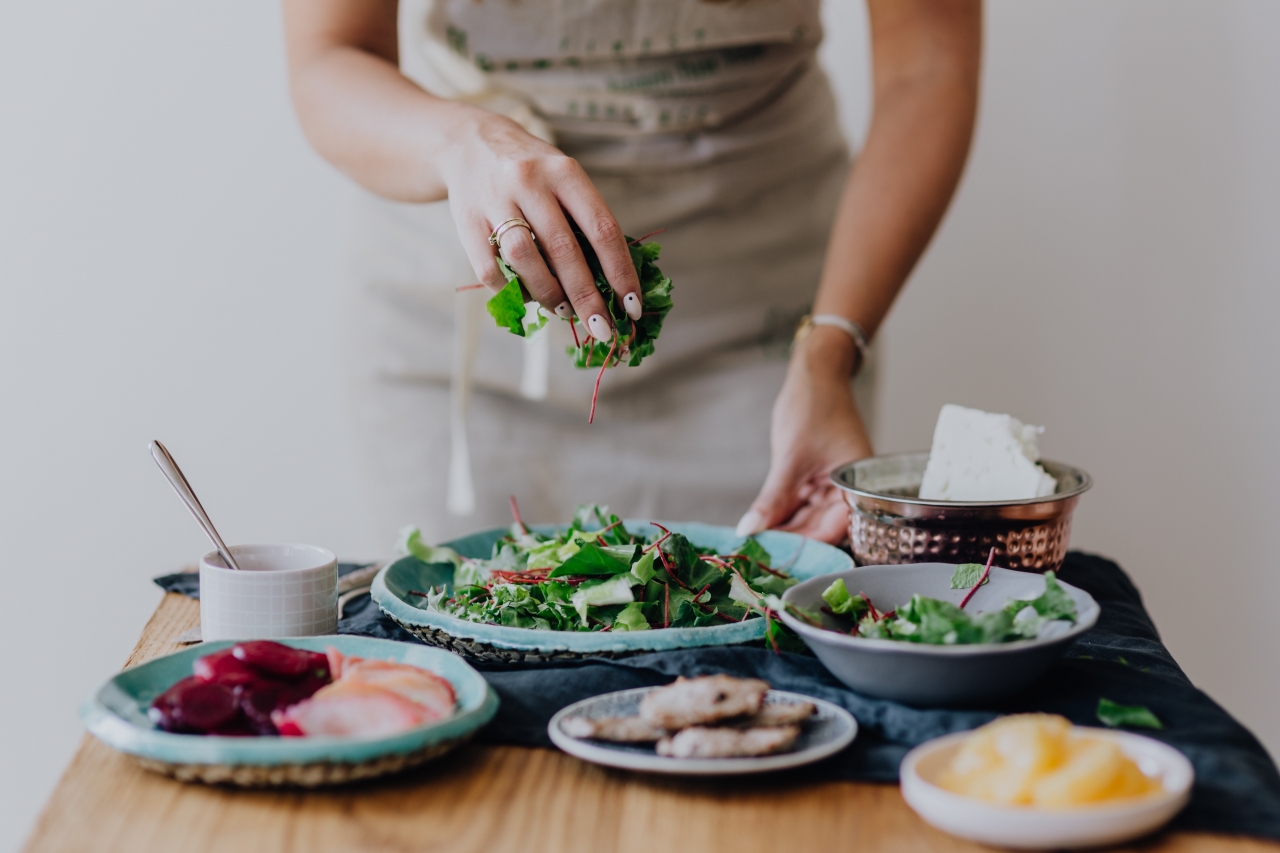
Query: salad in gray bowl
(937, 633)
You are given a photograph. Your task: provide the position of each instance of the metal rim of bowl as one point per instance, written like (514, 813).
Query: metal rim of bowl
(841, 475)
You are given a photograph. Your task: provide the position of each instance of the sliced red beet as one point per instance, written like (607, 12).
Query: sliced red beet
(194, 706)
(279, 659)
(223, 668)
(238, 727)
(258, 703)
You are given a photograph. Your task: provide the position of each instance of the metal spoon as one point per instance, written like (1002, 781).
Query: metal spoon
(180, 485)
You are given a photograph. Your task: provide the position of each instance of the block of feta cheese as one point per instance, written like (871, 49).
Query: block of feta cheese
(980, 456)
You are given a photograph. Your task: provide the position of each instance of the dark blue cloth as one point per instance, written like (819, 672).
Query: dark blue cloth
(1237, 788)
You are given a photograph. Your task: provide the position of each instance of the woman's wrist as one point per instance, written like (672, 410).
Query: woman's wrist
(826, 353)
(461, 127)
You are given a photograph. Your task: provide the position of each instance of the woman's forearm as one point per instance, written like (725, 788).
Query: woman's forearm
(405, 144)
(926, 67)
(357, 109)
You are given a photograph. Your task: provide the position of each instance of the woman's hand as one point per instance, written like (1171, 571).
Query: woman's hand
(405, 144)
(925, 58)
(495, 171)
(816, 428)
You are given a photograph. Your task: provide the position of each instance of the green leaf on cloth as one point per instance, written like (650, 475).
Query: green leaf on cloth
(1114, 714)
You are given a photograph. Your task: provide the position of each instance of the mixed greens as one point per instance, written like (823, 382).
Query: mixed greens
(632, 340)
(936, 622)
(596, 575)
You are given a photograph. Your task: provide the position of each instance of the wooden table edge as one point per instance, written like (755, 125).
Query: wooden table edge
(177, 613)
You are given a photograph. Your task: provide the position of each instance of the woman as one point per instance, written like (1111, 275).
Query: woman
(506, 119)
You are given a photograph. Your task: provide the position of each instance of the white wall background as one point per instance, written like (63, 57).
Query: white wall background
(171, 264)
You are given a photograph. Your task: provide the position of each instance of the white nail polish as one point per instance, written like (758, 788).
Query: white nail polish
(632, 304)
(749, 525)
(564, 310)
(599, 328)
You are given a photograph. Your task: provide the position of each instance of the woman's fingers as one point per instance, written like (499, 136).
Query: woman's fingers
(824, 517)
(776, 502)
(589, 211)
(475, 241)
(520, 250)
(567, 264)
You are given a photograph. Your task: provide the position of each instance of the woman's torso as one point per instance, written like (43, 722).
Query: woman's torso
(745, 193)
(601, 71)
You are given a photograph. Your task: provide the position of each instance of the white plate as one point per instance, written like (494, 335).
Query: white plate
(1030, 828)
(828, 731)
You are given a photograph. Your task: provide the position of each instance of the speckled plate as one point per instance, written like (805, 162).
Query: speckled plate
(830, 730)
(802, 558)
(116, 714)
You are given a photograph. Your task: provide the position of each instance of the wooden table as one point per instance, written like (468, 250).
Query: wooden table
(485, 798)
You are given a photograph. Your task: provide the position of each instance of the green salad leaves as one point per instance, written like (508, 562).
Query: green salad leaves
(936, 622)
(633, 340)
(595, 575)
(640, 335)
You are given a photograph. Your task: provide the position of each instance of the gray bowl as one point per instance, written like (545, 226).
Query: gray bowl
(918, 674)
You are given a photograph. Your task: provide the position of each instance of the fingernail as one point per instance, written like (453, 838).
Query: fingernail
(750, 524)
(564, 310)
(599, 328)
(631, 302)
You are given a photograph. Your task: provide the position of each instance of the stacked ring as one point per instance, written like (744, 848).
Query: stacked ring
(495, 239)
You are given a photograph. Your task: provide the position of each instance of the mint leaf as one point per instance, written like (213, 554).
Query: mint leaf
(591, 560)
(966, 576)
(1114, 714)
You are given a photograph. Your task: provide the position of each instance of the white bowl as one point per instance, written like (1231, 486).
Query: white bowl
(1029, 828)
(279, 591)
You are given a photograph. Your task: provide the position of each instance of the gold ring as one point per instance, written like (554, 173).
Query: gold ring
(495, 239)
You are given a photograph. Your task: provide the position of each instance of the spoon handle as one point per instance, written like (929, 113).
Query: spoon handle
(180, 485)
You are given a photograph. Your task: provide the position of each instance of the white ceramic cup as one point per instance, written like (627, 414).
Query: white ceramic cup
(279, 591)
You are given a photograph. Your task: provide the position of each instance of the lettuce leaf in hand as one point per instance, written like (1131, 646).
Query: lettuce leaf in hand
(511, 311)
(509, 308)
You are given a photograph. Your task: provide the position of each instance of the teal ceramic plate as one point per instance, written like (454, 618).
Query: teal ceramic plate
(802, 558)
(117, 715)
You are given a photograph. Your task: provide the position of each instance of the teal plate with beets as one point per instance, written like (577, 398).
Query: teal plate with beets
(800, 557)
(116, 714)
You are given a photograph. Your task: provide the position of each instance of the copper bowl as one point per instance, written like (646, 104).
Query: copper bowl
(888, 524)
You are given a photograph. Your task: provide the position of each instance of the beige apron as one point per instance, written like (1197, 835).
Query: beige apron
(454, 415)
